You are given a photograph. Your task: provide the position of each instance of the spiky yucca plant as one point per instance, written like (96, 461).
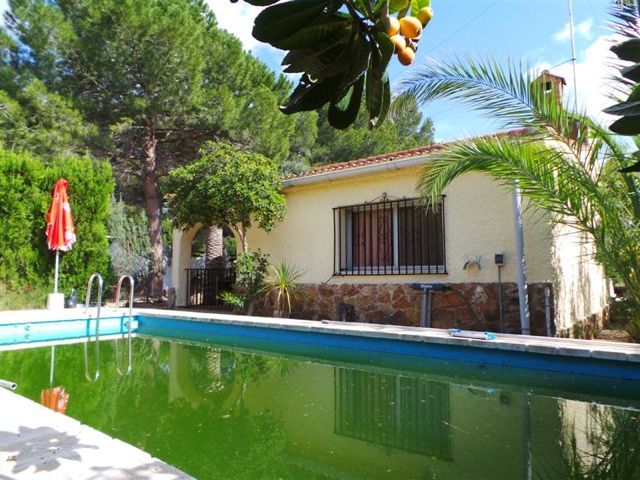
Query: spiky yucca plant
(281, 286)
(566, 163)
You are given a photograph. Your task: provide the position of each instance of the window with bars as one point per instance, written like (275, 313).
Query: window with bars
(398, 237)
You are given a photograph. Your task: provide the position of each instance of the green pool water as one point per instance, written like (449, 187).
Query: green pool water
(227, 412)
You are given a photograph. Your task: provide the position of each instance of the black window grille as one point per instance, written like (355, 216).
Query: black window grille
(396, 237)
(406, 413)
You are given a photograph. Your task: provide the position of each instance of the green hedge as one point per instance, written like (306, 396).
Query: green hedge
(26, 185)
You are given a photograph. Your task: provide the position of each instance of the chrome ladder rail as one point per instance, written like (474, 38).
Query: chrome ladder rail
(129, 322)
(95, 377)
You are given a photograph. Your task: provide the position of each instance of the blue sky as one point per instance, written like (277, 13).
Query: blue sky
(534, 30)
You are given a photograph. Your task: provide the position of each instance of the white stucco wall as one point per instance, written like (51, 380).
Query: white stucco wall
(478, 222)
(580, 284)
(181, 260)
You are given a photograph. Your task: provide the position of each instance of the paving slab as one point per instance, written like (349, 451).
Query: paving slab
(37, 443)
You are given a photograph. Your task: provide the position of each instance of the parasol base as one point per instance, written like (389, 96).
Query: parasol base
(55, 301)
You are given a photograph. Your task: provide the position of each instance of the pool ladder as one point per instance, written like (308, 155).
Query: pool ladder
(93, 378)
(129, 322)
(96, 375)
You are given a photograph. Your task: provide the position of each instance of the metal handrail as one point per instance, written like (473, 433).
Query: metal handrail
(95, 377)
(129, 322)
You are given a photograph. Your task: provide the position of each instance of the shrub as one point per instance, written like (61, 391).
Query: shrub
(251, 269)
(26, 185)
(130, 245)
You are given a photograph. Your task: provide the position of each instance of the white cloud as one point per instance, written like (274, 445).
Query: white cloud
(582, 29)
(593, 75)
(236, 18)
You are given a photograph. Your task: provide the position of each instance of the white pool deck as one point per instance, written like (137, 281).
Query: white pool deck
(37, 443)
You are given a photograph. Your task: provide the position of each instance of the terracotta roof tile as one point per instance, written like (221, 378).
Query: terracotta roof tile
(387, 157)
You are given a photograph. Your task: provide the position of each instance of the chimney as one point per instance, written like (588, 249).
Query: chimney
(552, 85)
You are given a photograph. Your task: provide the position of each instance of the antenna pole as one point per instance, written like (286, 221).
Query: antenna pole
(573, 57)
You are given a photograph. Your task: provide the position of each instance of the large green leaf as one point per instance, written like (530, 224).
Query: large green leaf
(261, 3)
(280, 21)
(344, 112)
(360, 52)
(386, 102)
(314, 61)
(629, 50)
(631, 72)
(364, 6)
(626, 126)
(323, 27)
(397, 5)
(309, 95)
(632, 168)
(624, 109)
(416, 5)
(374, 81)
(634, 96)
(338, 64)
(353, 60)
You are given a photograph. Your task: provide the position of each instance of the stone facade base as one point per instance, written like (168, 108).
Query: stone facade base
(469, 306)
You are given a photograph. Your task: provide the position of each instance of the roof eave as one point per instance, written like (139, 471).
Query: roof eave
(391, 165)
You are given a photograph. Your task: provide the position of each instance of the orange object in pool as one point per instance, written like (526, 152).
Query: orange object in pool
(55, 398)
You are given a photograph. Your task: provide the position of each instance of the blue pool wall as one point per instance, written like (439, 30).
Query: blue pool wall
(210, 332)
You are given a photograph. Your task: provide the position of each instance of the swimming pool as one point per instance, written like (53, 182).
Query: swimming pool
(220, 401)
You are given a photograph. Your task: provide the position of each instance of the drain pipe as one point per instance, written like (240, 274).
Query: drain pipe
(8, 385)
(547, 309)
(523, 297)
(499, 261)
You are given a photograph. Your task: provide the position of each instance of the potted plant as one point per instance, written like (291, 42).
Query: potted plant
(281, 287)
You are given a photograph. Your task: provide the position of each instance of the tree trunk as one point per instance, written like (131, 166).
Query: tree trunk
(213, 247)
(243, 238)
(153, 206)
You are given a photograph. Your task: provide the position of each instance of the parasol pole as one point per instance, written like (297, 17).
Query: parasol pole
(55, 277)
(53, 359)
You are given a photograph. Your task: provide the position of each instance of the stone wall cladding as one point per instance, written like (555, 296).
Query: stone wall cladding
(470, 306)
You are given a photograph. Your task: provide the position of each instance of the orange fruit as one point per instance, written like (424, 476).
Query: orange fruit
(394, 26)
(425, 15)
(410, 27)
(406, 56)
(399, 42)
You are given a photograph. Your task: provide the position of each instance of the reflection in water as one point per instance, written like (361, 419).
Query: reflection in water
(406, 413)
(599, 443)
(219, 413)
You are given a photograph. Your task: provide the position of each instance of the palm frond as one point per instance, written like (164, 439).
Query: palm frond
(482, 85)
(543, 173)
(507, 93)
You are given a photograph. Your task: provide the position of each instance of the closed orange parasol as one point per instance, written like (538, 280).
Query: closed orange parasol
(60, 231)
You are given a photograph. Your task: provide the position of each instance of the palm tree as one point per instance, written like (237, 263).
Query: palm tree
(566, 164)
